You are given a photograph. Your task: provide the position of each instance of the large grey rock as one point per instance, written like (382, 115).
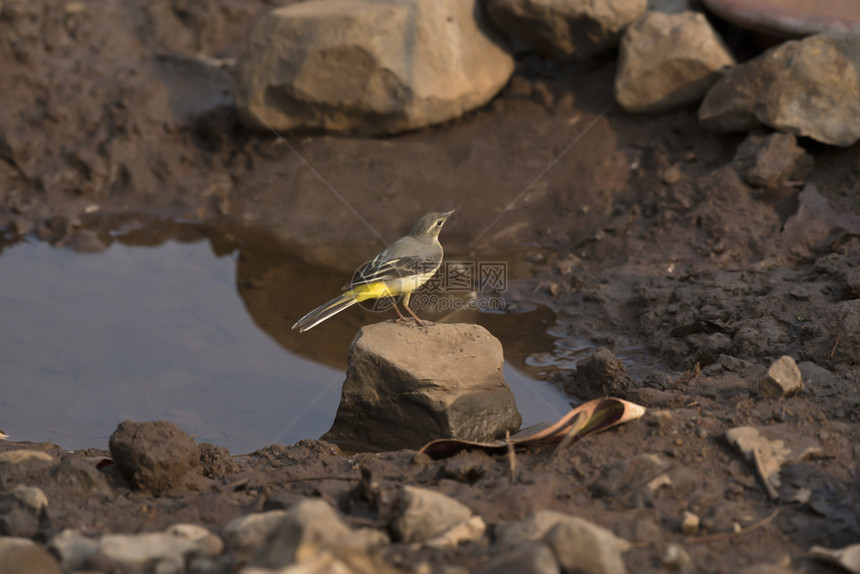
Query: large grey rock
(369, 66)
(407, 385)
(808, 87)
(667, 61)
(769, 160)
(21, 555)
(154, 456)
(565, 30)
(423, 514)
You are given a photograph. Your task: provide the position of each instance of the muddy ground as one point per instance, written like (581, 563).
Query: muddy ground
(641, 235)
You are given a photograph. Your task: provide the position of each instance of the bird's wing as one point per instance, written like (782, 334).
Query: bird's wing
(401, 259)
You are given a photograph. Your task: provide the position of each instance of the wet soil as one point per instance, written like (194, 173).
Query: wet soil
(636, 230)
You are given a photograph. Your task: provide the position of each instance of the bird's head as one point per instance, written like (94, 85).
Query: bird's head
(431, 224)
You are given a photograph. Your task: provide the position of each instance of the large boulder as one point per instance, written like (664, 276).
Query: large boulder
(407, 385)
(667, 61)
(565, 30)
(369, 66)
(808, 87)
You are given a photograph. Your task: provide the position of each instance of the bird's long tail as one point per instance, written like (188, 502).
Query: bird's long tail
(348, 299)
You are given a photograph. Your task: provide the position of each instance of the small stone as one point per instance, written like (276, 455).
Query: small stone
(209, 543)
(248, 533)
(154, 456)
(671, 175)
(666, 61)
(312, 529)
(529, 558)
(154, 547)
(769, 160)
(600, 375)
(215, 461)
(565, 31)
(21, 555)
(580, 546)
(782, 379)
(817, 377)
(73, 548)
(676, 559)
(468, 531)
(16, 456)
(689, 523)
(32, 496)
(423, 514)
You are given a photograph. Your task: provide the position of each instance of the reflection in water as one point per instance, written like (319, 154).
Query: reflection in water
(145, 332)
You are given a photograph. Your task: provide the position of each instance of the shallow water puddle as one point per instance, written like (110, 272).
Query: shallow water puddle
(154, 327)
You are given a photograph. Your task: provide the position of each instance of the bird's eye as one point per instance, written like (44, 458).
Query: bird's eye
(439, 222)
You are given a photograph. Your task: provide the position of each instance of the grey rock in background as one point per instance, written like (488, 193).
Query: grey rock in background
(667, 61)
(808, 87)
(368, 66)
(565, 30)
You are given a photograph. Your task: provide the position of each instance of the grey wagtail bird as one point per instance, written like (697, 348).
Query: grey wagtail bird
(403, 267)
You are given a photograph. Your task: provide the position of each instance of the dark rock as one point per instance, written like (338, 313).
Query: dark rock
(806, 87)
(529, 558)
(834, 335)
(215, 461)
(633, 482)
(565, 31)
(666, 61)
(153, 456)
(769, 160)
(407, 385)
(600, 375)
(817, 379)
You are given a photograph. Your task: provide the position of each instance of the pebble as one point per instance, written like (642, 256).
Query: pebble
(312, 529)
(782, 379)
(247, 533)
(32, 496)
(689, 523)
(581, 546)
(23, 556)
(16, 456)
(423, 514)
(153, 456)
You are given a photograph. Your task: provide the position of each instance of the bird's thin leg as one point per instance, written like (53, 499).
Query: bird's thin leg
(411, 312)
(399, 314)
